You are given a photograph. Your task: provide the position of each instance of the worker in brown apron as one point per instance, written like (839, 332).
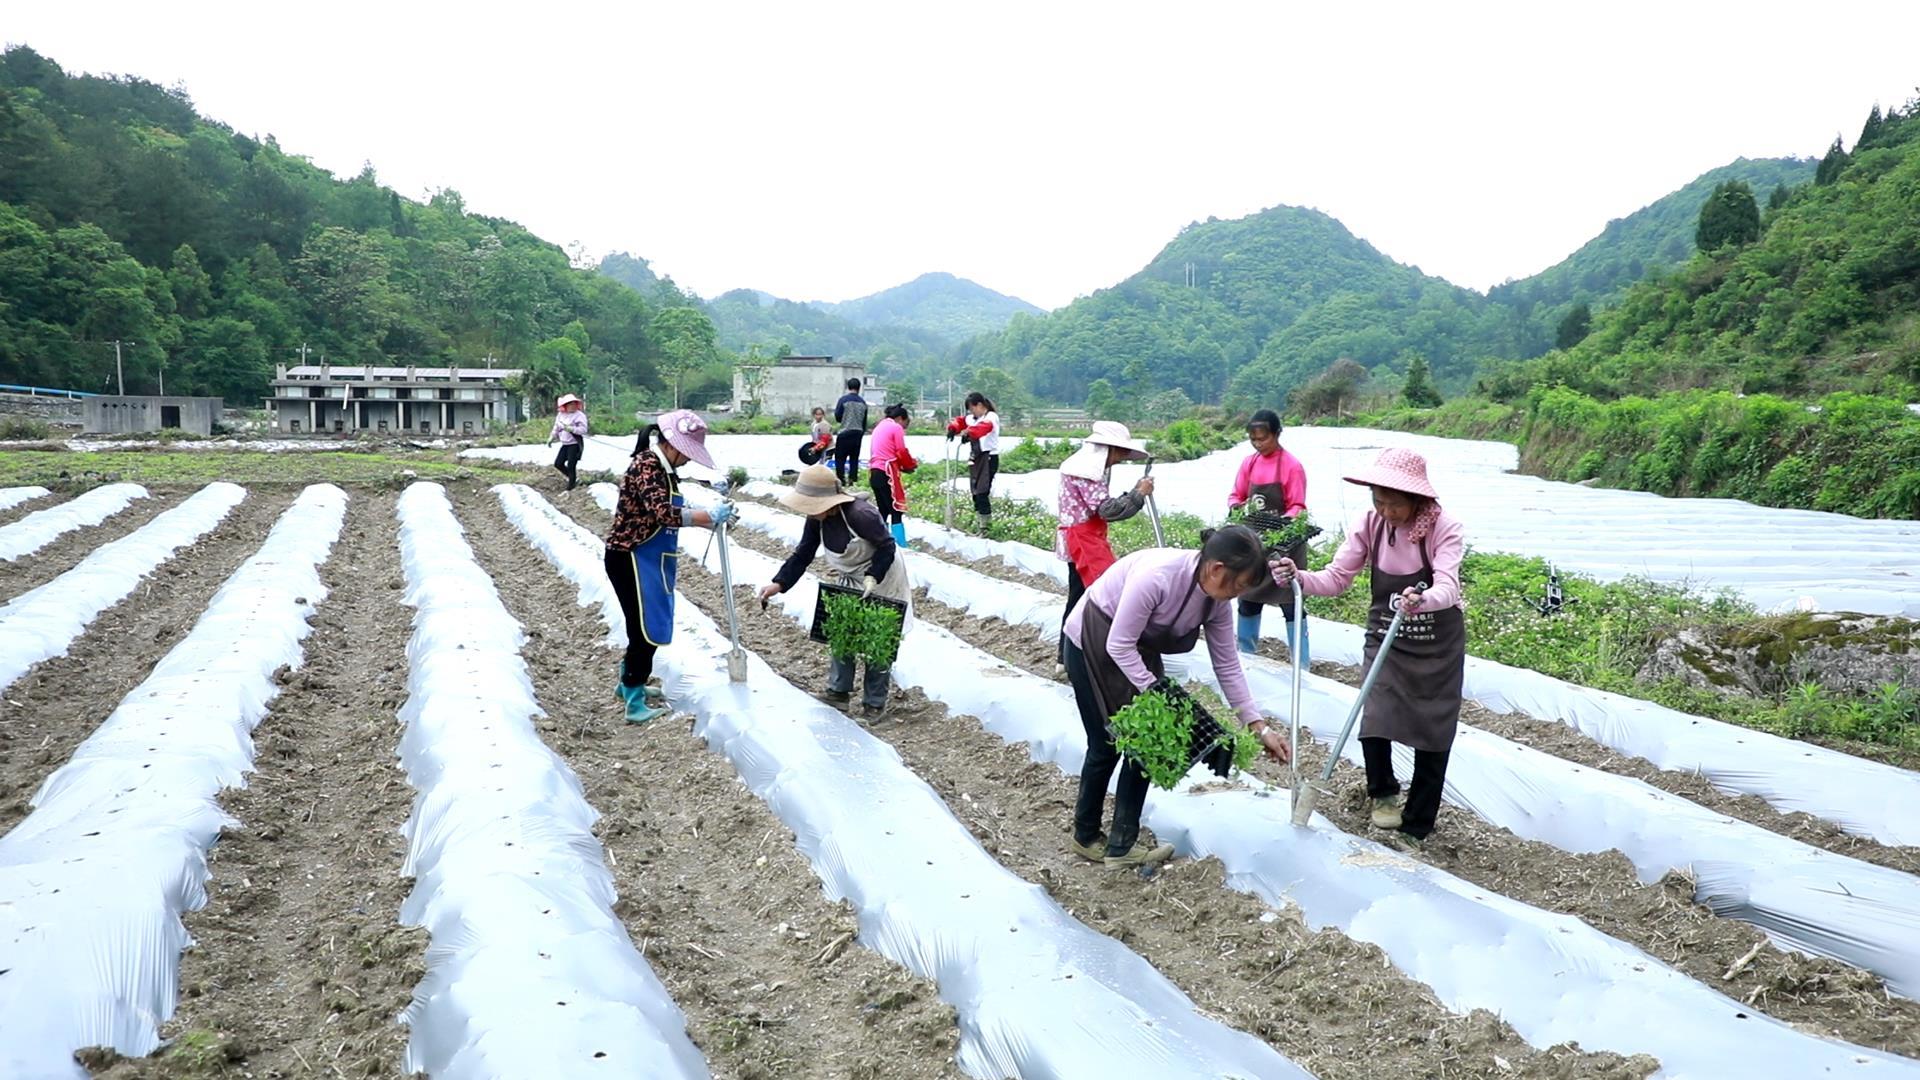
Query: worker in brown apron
(1271, 484)
(1151, 604)
(1413, 550)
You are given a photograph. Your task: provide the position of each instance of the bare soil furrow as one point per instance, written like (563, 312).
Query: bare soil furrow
(712, 889)
(56, 705)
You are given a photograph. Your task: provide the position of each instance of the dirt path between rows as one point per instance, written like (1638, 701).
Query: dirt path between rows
(16, 512)
(59, 702)
(1819, 995)
(712, 889)
(68, 549)
(1329, 1003)
(300, 966)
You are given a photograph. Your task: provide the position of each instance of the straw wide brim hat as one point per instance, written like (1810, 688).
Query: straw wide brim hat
(1090, 461)
(687, 433)
(1398, 469)
(815, 491)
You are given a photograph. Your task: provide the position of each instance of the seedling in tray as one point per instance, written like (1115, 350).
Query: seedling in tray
(1164, 731)
(1281, 534)
(855, 625)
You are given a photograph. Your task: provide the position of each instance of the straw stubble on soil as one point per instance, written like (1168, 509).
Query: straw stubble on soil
(59, 702)
(1819, 995)
(713, 890)
(300, 966)
(69, 548)
(1331, 1004)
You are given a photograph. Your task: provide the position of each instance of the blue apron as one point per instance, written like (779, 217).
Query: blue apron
(656, 568)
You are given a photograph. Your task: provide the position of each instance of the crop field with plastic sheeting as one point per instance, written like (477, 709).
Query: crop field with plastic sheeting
(332, 780)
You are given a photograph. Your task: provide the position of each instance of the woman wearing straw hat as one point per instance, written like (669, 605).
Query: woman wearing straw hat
(860, 550)
(1152, 604)
(1086, 508)
(1413, 549)
(643, 548)
(1272, 481)
(570, 427)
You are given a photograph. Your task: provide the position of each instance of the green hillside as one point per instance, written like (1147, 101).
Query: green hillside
(124, 214)
(1249, 309)
(1655, 236)
(948, 307)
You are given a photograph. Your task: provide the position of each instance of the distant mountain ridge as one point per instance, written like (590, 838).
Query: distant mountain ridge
(940, 303)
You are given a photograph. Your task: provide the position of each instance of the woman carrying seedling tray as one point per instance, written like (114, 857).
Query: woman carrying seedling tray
(1086, 508)
(643, 548)
(888, 463)
(1413, 549)
(1271, 483)
(860, 550)
(1152, 604)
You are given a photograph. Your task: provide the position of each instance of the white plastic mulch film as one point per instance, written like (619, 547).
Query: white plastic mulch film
(1036, 991)
(1803, 897)
(1553, 977)
(763, 456)
(14, 496)
(1775, 558)
(40, 624)
(1866, 798)
(43, 527)
(529, 972)
(94, 881)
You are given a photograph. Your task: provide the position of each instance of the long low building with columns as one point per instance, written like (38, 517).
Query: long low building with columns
(328, 398)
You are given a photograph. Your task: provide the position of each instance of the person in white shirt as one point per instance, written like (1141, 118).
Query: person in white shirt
(981, 427)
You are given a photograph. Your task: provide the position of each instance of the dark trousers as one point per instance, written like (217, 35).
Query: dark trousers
(569, 463)
(1097, 769)
(637, 667)
(874, 687)
(846, 456)
(1423, 794)
(883, 496)
(1074, 591)
(981, 471)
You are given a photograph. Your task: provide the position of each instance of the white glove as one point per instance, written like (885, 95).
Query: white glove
(866, 590)
(722, 514)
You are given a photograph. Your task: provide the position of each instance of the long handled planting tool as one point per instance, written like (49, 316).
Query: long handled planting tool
(1304, 798)
(948, 482)
(1153, 512)
(736, 656)
(1293, 714)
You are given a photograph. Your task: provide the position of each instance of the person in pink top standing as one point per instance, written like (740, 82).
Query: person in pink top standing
(888, 463)
(1152, 604)
(570, 427)
(1413, 549)
(1270, 481)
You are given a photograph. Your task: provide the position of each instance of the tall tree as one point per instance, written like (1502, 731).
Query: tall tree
(1832, 165)
(1728, 217)
(1419, 391)
(1574, 326)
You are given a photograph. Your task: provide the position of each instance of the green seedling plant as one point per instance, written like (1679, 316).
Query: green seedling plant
(856, 628)
(1155, 731)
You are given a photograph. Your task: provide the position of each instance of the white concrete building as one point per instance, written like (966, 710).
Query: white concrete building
(791, 386)
(313, 398)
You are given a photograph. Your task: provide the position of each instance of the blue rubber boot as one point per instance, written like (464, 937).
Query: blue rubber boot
(1299, 626)
(639, 710)
(900, 533)
(1247, 632)
(655, 695)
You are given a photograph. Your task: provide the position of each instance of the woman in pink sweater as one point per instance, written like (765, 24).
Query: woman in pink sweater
(1272, 483)
(1413, 550)
(888, 462)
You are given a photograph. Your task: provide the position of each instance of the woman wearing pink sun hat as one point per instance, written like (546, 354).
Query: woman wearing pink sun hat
(1413, 549)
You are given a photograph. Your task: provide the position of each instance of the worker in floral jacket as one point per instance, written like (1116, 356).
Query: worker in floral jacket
(1086, 507)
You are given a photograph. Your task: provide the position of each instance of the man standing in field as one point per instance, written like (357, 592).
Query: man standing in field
(851, 414)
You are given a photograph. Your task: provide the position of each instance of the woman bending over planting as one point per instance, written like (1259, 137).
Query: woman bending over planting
(888, 464)
(981, 427)
(1085, 507)
(643, 548)
(1148, 605)
(861, 552)
(1271, 483)
(1413, 549)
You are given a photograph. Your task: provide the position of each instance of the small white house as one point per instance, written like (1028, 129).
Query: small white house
(792, 386)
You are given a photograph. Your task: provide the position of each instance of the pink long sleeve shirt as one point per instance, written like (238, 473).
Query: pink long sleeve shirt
(1156, 585)
(1278, 467)
(1446, 544)
(570, 427)
(889, 443)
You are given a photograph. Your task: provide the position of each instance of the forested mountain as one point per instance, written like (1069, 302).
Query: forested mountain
(1249, 309)
(1657, 235)
(946, 306)
(126, 215)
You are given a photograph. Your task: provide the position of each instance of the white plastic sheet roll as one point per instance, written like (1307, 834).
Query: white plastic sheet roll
(43, 527)
(40, 624)
(529, 972)
(94, 881)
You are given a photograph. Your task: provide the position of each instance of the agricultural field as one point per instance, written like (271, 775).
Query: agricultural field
(314, 767)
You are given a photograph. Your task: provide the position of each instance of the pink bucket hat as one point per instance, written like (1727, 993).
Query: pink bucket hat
(566, 400)
(688, 434)
(1399, 469)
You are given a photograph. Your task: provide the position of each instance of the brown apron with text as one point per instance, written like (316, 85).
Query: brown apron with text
(1416, 700)
(1272, 498)
(1112, 690)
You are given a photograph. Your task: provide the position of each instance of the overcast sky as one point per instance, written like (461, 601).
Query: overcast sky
(824, 151)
